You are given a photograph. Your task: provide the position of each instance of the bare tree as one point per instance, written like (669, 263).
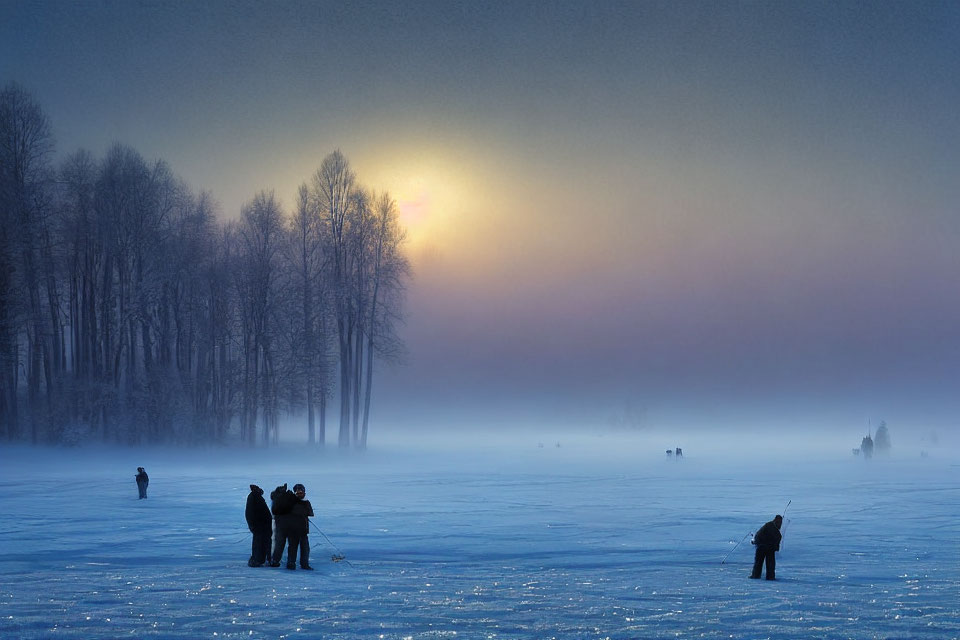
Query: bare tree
(128, 313)
(134, 202)
(361, 234)
(84, 258)
(221, 302)
(332, 192)
(25, 180)
(308, 259)
(261, 234)
(389, 269)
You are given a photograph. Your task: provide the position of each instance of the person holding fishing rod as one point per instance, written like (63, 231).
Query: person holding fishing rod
(301, 511)
(767, 540)
(292, 513)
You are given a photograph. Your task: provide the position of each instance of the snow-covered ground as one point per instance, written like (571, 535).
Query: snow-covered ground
(607, 541)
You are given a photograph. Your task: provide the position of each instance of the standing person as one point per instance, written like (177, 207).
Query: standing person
(142, 481)
(260, 523)
(767, 540)
(281, 502)
(300, 527)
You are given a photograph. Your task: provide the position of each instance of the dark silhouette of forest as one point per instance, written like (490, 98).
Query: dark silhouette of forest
(129, 313)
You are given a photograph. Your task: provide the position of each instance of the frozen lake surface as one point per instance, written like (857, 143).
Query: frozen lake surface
(543, 543)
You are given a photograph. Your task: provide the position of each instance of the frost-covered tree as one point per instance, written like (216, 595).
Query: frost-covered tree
(129, 313)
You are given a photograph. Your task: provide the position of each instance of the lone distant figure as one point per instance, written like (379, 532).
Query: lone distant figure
(260, 522)
(142, 481)
(767, 540)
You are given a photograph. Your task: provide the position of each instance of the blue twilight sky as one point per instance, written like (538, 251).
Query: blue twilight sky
(707, 213)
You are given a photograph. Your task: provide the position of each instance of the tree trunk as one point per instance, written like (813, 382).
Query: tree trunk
(322, 435)
(345, 368)
(311, 435)
(366, 400)
(357, 378)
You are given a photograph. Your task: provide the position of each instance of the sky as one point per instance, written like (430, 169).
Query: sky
(666, 214)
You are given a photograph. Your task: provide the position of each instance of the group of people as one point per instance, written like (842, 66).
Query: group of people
(285, 522)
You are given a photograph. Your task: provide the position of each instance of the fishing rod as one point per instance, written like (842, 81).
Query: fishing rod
(339, 555)
(784, 530)
(735, 547)
(749, 532)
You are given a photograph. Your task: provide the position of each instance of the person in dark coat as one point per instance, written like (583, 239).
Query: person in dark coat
(300, 529)
(142, 481)
(767, 540)
(260, 522)
(281, 503)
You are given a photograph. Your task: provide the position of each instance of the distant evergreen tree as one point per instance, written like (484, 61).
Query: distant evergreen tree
(882, 439)
(866, 447)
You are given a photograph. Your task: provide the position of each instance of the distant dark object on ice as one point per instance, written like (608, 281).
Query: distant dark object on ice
(879, 443)
(142, 481)
(882, 438)
(678, 451)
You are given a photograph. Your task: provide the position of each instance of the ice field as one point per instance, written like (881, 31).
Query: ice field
(607, 541)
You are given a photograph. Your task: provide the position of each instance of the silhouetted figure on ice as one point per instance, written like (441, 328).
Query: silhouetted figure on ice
(260, 523)
(281, 502)
(679, 452)
(142, 481)
(767, 540)
(299, 529)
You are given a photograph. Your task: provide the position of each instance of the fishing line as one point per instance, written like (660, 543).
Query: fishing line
(339, 556)
(735, 547)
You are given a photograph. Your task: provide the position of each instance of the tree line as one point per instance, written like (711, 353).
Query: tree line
(129, 313)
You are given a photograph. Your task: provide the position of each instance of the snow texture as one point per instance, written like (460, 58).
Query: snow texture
(546, 543)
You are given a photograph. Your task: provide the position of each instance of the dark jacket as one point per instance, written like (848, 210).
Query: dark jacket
(302, 509)
(257, 513)
(282, 500)
(768, 537)
(142, 478)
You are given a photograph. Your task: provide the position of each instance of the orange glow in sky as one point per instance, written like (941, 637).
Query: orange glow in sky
(414, 211)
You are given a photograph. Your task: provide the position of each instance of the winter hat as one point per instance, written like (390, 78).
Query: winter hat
(298, 487)
(256, 489)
